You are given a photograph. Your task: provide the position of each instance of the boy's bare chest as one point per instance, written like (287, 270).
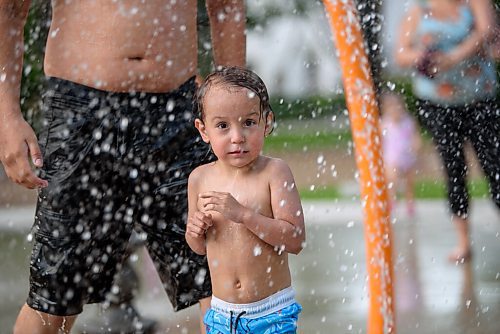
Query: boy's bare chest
(251, 194)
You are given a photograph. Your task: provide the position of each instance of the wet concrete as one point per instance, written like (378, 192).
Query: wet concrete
(431, 294)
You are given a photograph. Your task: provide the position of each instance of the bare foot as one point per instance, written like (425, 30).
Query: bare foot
(460, 256)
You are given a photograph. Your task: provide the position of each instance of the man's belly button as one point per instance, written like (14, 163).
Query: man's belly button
(138, 58)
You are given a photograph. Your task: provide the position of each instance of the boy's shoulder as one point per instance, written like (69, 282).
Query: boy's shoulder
(201, 171)
(274, 165)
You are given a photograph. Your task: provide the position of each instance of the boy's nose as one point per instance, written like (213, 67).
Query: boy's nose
(237, 136)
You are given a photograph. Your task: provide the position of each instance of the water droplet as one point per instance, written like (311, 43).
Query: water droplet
(133, 173)
(257, 250)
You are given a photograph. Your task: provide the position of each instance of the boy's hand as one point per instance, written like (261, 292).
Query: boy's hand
(198, 224)
(224, 203)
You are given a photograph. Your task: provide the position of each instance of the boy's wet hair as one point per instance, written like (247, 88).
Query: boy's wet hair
(235, 77)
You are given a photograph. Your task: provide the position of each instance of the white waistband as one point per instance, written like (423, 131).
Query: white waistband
(268, 305)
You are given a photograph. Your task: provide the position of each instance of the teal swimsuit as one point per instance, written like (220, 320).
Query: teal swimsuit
(470, 81)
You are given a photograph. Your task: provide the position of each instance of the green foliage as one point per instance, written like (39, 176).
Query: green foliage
(307, 107)
(35, 35)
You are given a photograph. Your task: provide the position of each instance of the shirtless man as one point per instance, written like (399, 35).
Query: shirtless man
(116, 147)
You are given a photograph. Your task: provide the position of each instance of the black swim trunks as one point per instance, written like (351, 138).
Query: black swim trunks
(115, 163)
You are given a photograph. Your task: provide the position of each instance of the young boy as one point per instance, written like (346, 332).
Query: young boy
(244, 210)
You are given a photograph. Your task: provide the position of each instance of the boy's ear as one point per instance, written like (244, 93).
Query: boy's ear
(198, 123)
(269, 123)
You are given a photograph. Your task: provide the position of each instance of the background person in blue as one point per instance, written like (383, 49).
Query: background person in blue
(446, 42)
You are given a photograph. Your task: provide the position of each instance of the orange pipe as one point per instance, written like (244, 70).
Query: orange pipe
(364, 119)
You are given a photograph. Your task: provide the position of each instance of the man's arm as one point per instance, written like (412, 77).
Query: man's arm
(227, 27)
(18, 142)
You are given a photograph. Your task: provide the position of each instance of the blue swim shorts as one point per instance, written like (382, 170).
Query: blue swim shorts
(277, 313)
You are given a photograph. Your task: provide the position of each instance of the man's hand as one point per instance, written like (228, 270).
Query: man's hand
(198, 224)
(224, 203)
(19, 145)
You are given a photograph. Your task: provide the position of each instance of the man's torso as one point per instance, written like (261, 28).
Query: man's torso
(121, 46)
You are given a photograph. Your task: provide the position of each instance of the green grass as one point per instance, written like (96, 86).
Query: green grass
(424, 189)
(321, 193)
(437, 189)
(296, 142)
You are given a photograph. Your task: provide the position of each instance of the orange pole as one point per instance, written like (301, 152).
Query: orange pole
(364, 119)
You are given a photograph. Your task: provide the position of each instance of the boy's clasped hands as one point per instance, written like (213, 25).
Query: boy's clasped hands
(210, 201)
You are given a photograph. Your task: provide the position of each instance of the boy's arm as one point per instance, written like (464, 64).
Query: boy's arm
(195, 236)
(18, 143)
(286, 229)
(227, 28)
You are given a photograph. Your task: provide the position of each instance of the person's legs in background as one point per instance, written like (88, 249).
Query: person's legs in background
(409, 181)
(446, 126)
(392, 184)
(484, 134)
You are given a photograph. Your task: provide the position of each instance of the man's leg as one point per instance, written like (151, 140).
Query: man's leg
(30, 321)
(164, 157)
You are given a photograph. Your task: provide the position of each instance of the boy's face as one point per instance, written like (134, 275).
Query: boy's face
(232, 125)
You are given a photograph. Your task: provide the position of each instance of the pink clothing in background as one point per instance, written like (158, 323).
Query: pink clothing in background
(398, 143)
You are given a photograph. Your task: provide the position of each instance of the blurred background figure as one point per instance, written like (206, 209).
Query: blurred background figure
(494, 48)
(445, 42)
(401, 143)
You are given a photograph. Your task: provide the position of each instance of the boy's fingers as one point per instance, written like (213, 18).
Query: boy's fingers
(193, 234)
(211, 194)
(201, 220)
(194, 229)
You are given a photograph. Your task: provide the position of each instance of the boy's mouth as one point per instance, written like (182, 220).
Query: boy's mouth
(238, 152)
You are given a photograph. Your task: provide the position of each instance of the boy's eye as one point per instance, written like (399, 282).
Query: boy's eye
(250, 122)
(221, 125)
